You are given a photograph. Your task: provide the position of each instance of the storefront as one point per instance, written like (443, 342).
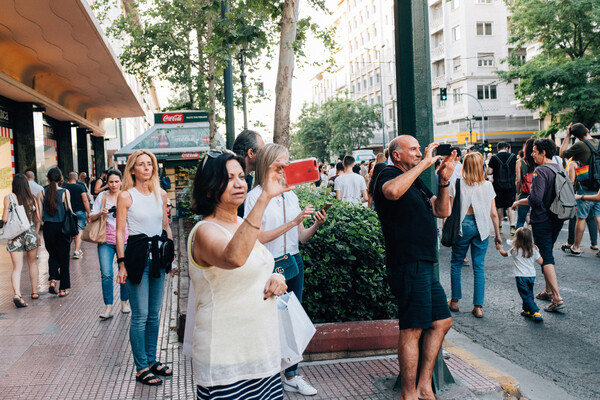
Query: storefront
(177, 139)
(7, 160)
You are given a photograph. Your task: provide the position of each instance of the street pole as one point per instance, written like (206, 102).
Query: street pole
(380, 51)
(228, 92)
(242, 59)
(482, 114)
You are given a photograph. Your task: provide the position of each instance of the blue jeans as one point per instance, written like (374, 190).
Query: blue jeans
(81, 219)
(106, 256)
(145, 300)
(522, 212)
(296, 285)
(470, 237)
(525, 288)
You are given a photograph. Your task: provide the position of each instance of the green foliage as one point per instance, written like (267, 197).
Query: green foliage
(564, 79)
(337, 127)
(345, 278)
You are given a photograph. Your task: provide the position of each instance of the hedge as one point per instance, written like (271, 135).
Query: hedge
(345, 278)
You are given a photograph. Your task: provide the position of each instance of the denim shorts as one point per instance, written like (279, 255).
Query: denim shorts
(81, 219)
(419, 295)
(584, 208)
(545, 235)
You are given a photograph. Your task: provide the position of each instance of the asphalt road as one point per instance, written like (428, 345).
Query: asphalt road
(565, 347)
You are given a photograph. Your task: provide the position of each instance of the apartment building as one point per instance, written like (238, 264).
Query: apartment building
(365, 67)
(468, 41)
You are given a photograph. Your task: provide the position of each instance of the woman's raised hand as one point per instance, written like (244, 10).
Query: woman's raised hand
(307, 212)
(274, 183)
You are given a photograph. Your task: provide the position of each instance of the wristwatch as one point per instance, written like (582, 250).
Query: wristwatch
(120, 260)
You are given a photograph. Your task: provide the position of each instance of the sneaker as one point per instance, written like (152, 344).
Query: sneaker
(509, 242)
(466, 262)
(105, 315)
(570, 250)
(554, 306)
(598, 254)
(500, 229)
(537, 317)
(512, 231)
(526, 314)
(126, 309)
(298, 385)
(76, 254)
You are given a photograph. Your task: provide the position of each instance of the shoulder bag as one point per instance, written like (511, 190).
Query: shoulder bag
(69, 226)
(17, 222)
(286, 264)
(95, 231)
(451, 228)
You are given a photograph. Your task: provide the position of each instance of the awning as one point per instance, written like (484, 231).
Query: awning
(173, 140)
(53, 53)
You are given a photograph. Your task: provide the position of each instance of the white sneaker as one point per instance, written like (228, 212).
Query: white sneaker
(126, 309)
(105, 315)
(298, 385)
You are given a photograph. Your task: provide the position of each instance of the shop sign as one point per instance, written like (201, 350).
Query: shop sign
(206, 139)
(179, 117)
(4, 118)
(190, 155)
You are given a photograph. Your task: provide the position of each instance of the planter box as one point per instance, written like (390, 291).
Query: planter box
(353, 339)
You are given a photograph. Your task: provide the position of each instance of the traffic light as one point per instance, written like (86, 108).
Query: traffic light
(443, 94)
(261, 88)
(487, 147)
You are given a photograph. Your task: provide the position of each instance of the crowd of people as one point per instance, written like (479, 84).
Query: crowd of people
(251, 221)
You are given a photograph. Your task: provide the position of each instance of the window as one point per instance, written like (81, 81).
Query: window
(486, 92)
(390, 113)
(379, 99)
(374, 31)
(370, 80)
(377, 77)
(485, 59)
(391, 89)
(456, 33)
(457, 96)
(365, 83)
(484, 29)
(456, 64)
(454, 4)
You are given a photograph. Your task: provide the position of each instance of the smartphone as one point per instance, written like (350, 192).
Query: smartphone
(301, 171)
(327, 207)
(443, 150)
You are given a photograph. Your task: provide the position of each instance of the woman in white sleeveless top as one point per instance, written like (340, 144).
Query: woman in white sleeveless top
(236, 334)
(142, 207)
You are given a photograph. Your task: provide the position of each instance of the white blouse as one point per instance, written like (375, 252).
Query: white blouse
(480, 196)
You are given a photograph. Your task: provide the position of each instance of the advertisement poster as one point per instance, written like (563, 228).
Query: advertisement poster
(6, 164)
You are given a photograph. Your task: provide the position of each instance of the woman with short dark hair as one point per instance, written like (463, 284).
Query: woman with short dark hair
(27, 242)
(236, 335)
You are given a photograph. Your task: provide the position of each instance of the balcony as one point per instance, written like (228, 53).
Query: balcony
(437, 53)
(436, 24)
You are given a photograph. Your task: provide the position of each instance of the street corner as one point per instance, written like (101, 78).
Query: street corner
(477, 375)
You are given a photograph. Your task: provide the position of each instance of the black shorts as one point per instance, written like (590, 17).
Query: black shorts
(505, 198)
(420, 297)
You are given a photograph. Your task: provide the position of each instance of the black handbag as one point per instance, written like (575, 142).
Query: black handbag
(286, 264)
(69, 226)
(451, 228)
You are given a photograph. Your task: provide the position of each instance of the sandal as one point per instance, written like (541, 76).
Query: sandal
(595, 248)
(63, 293)
(161, 369)
(35, 296)
(544, 296)
(19, 302)
(52, 287)
(555, 306)
(453, 305)
(147, 376)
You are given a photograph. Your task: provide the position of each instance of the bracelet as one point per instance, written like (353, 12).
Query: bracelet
(444, 186)
(120, 260)
(582, 198)
(251, 224)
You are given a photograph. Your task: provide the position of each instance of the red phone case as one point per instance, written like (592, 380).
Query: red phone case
(302, 171)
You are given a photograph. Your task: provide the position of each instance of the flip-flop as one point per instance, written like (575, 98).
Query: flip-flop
(161, 369)
(19, 302)
(145, 378)
(35, 296)
(52, 287)
(63, 293)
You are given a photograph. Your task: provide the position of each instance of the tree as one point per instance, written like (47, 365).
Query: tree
(338, 126)
(563, 80)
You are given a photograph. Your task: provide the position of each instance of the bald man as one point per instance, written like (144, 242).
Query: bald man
(407, 210)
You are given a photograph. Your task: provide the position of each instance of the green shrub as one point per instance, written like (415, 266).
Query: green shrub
(345, 278)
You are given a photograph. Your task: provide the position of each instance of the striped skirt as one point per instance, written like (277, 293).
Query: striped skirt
(256, 389)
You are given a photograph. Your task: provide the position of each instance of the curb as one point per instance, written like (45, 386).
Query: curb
(510, 385)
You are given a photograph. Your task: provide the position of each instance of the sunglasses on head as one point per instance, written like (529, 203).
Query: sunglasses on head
(214, 154)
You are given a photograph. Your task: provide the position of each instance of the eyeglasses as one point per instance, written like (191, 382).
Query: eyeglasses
(214, 154)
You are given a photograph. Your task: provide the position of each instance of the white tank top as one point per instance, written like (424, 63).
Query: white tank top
(236, 332)
(145, 214)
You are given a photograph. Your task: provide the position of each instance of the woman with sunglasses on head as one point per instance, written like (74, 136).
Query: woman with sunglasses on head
(282, 230)
(142, 209)
(236, 333)
(106, 206)
(26, 244)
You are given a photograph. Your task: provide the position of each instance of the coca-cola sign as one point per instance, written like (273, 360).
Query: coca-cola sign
(172, 118)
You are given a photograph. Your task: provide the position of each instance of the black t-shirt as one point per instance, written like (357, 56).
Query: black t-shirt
(75, 190)
(408, 223)
(512, 165)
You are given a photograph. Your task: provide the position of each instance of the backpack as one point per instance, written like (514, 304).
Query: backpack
(526, 178)
(165, 183)
(592, 181)
(503, 180)
(564, 204)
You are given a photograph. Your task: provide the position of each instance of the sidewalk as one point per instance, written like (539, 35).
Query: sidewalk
(58, 348)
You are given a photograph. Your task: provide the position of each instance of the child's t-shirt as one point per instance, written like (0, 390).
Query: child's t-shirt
(524, 266)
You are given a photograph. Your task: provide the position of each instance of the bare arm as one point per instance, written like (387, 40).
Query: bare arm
(5, 213)
(86, 202)
(124, 201)
(565, 143)
(494, 216)
(165, 219)
(365, 196)
(588, 197)
(338, 194)
(518, 181)
(306, 233)
(441, 203)
(267, 236)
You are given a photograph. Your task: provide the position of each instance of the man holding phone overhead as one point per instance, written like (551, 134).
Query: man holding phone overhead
(407, 210)
(350, 187)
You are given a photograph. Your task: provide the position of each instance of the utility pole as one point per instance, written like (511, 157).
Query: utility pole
(242, 60)
(228, 92)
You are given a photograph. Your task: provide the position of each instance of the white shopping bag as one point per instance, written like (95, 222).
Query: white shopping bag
(295, 328)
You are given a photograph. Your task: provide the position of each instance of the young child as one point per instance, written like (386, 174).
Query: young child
(525, 254)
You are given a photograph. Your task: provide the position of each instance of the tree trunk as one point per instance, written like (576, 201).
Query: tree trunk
(285, 73)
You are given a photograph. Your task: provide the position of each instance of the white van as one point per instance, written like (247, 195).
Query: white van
(363, 155)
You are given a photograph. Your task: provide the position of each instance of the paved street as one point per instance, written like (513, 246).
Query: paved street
(565, 348)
